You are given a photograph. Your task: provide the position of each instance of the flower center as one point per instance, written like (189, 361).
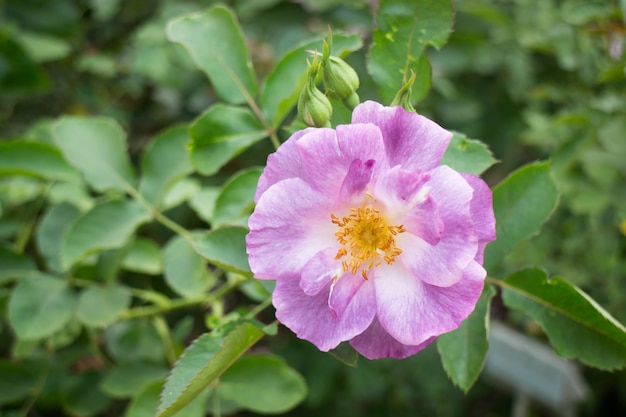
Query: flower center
(366, 238)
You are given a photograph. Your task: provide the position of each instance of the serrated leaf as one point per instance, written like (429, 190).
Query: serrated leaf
(236, 199)
(100, 306)
(127, 379)
(263, 383)
(220, 134)
(463, 351)
(35, 159)
(404, 30)
(14, 265)
(143, 256)
(164, 162)
(217, 46)
(522, 202)
(576, 325)
(39, 306)
(225, 248)
(146, 401)
(283, 85)
(106, 226)
(204, 361)
(185, 271)
(467, 155)
(97, 147)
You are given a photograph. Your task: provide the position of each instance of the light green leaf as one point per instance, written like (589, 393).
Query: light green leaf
(107, 226)
(39, 306)
(203, 203)
(522, 202)
(236, 200)
(405, 28)
(182, 190)
(143, 256)
(204, 361)
(144, 404)
(225, 248)
(576, 325)
(51, 232)
(283, 85)
(34, 159)
(43, 47)
(127, 379)
(220, 134)
(164, 162)
(100, 306)
(467, 155)
(97, 147)
(463, 351)
(185, 271)
(14, 265)
(217, 46)
(263, 383)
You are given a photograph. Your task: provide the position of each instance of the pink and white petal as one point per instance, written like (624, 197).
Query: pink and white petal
(291, 223)
(282, 164)
(407, 203)
(411, 140)
(320, 271)
(310, 318)
(413, 312)
(364, 142)
(376, 343)
(481, 209)
(443, 264)
(322, 161)
(356, 181)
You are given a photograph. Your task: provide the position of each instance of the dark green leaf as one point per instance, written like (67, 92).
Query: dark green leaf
(216, 44)
(185, 271)
(576, 325)
(34, 159)
(14, 265)
(100, 306)
(165, 161)
(97, 147)
(263, 383)
(467, 155)
(133, 340)
(463, 351)
(204, 361)
(20, 379)
(220, 134)
(405, 28)
(144, 404)
(345, 353)
(106, 226)
(39, 306)
(236, 200)
(522, 202)
(129, 378)
(83, 397)
(19, 74)
(226, 248)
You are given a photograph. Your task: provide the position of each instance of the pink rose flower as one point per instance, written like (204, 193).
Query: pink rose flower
(369, 239)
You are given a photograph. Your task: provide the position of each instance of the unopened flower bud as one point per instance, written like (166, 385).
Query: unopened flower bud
(340, 79)
(313, 106)
(403, 96)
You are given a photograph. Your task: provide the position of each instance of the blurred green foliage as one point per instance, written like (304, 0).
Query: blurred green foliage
(534, 80)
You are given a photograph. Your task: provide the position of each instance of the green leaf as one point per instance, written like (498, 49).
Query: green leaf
(225, 248)
(39, 306)
(576, 325)
(203, 203)
(182, 190)
(20, 379)
(217, 46)
(51, 232)
(97, 147)
(522, 202)
(164, 162)
(19, 73)
(143, 256)
(345, 353)
(82, 396)
(236, 200)
(405, 28)
(100, 306)
(283, 85)
(467, 155)
(14, 265)
(203, 362)
(263, 383)
(107, 226)
(463, 351)
(144, 404)
(127, 379)
(134, 340)
(43, 47)
(220, 134)
(185, 271)
(34, 159)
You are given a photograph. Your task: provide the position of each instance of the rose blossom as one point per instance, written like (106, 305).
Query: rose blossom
(369, 239)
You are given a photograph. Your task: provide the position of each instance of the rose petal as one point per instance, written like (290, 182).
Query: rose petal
(481, 211)
(413, 312)
(356, 181)
(310, 317)
(376, 343)
(319, 272)
(290, 224)
(411, 140)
